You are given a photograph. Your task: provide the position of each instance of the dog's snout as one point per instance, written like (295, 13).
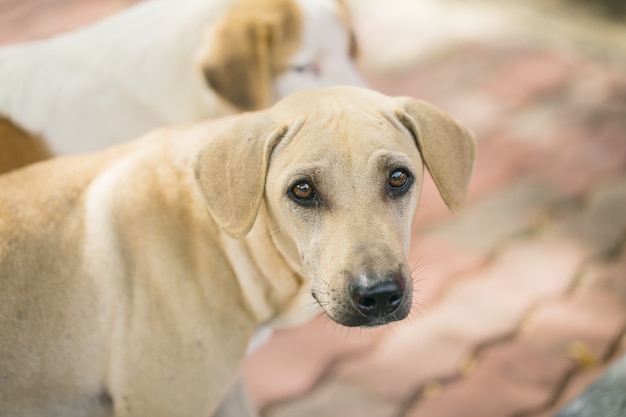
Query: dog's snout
(377, 298)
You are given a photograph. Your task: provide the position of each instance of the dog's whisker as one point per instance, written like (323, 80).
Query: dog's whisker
(301, 292)
(416, 280)
(419, 259)
(293, 277)
(313, 307)
(418, 306)
(313, 311)
(361, 332)
(347, 336)
(326, 321)
(416, 269)
(390, 328)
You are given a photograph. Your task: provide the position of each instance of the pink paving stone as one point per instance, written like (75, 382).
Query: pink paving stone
(499, 160)
(596, 83)
(511, 211)
(612, 131)
(589, 145)
(464, 68)
(483, 306)
(478, 111)
(580, 381)
(600, 226)
(293, 360)
(31, 19)
(528, 75)
(594, 312)
(516, 377)
(334, 400)
(608, 277)
(419, 82)
(579, 160)
(474, 108)
(575, 386)
(593, 318)
(594, 315)
(437, 264)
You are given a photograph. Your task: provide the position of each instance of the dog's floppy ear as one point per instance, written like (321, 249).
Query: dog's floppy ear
(230, 171)
(238, 68)
(447, 148)
(250, 46)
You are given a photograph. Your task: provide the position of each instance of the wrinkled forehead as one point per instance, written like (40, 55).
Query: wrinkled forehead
(345, 138)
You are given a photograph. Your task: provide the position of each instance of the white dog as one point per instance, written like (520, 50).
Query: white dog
(167, 61)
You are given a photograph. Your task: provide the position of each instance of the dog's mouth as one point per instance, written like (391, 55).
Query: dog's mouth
(359, 320)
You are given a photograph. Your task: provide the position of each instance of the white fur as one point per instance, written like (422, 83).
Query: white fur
(136, 71)
(324, 52)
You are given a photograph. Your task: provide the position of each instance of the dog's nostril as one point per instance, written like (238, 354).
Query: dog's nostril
(395, 300)
(367, 303)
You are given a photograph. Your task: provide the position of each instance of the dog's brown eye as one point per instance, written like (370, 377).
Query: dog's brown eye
(399, 182)
(303, 190)
(398, 179)
(303, 193)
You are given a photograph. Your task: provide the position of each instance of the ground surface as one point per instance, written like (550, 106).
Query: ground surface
(522, 296)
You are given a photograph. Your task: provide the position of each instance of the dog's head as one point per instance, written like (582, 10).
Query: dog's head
(339, 171)
(263, 50)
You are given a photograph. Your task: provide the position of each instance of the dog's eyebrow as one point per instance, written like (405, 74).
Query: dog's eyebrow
(311, 171)
(387, 159)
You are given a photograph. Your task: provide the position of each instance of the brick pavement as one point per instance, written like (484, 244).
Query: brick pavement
(521, 298)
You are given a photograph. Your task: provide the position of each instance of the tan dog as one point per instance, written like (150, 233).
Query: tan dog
(133, 280)
(164, 62)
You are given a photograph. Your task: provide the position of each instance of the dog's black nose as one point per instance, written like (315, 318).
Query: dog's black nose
(377, 299)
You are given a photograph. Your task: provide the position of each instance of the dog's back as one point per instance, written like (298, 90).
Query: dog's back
(164, 62)
(44, 303)
(112, 81)
(74, 294)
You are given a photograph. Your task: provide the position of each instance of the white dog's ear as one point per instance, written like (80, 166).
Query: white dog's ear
(248, 48)
(231, 169)
(447, 148)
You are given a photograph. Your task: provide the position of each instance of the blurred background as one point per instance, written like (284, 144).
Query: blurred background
(522, 295)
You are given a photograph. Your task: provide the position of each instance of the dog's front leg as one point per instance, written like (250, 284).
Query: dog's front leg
(236, 403)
